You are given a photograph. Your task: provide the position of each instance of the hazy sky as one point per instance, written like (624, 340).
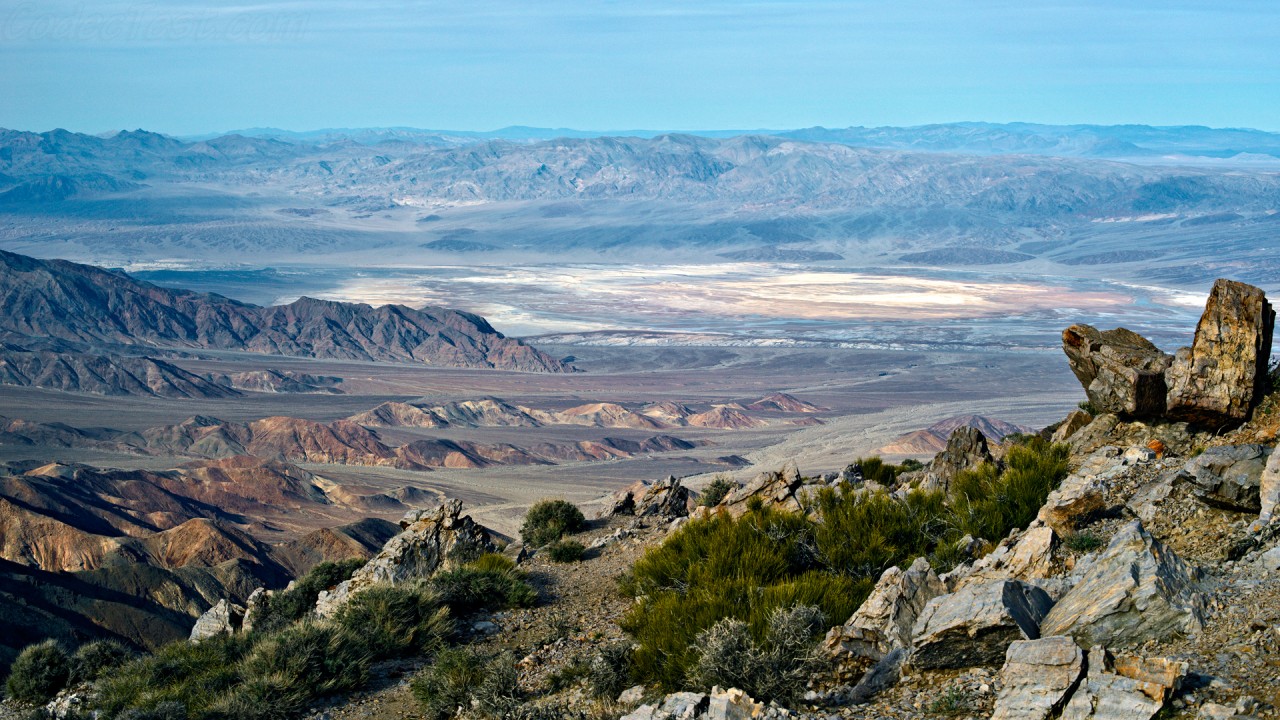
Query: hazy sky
(193, 66)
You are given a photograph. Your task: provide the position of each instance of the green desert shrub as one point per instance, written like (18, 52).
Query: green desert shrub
(491, 582)
(716, 491)
(92, 660)
(193, 674)
(396, 620)
(774, 668)
(550, 520)
(748, 568)
(988, 504)
(721, 567)
(38, 673)
(482, 685)
(237, 677)
(1082, 542)
(290, 605)
(566, 551)
(306, 660)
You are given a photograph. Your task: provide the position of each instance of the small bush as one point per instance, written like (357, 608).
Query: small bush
(566, 551)
(610, 671)
(38, 673)
(550, 520)
(466, 679)
(394, 620)
(911, 465)
(775, 669)
(492, 582)
(1088, 406)
(307, 660)
(94, 659)
(1082, 542)
(952, 702)
(716, 491)
(568, 676)
(291, 605)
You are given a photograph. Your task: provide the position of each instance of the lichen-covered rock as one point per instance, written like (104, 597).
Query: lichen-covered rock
(432, 540)
(884, 621)
(1037, 678)
(1125, 687)
(667, 498)
(1136, 590)
(1219, 379)
(223, 618)
(967, 448)
(1121, 371)
(1174, 437)
(1228, 476)
(975, 625)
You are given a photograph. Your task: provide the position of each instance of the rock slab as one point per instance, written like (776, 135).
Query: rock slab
(1135, 591)
(1038, 677)
(884, 621)
(976, 624)
(1121, 371)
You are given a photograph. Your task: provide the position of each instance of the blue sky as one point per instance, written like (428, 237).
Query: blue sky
(195, 66)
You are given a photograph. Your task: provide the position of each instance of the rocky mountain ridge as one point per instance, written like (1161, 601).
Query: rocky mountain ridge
(84, 304)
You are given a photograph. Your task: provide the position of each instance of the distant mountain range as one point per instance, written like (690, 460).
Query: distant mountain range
(1179, 205)
(83, 304)
(1096, 141)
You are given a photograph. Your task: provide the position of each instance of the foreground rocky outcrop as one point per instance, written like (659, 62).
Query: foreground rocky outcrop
(430, 541)
(1219, 379)
(1215, 383)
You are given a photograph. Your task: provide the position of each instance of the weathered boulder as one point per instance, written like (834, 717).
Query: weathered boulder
(223, 618)
(1124, 687)
(1075, 421)
(1082, 495)
(1038, 677)
(432, 540)
(732, 704)
(1134, 591)
(884, 621)
(667, 498)
(1121, 371)
(1228, 476)
(966, 449)
(1219, 379)
(975, 625)
(783, 489)
(1026, 556)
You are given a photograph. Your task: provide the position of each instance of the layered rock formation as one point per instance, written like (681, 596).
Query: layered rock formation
(1221, 377)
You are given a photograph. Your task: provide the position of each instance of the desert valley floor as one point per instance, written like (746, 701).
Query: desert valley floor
(870, 397)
